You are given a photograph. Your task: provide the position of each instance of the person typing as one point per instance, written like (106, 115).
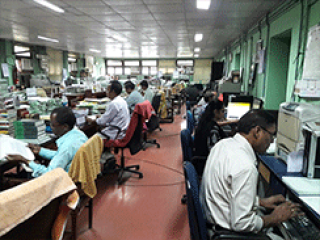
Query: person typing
(229, 183)
(70, 139)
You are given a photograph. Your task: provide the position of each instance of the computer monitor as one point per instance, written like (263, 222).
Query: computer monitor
(237, 109)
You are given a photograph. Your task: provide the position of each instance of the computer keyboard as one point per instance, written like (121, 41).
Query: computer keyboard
(301, 228)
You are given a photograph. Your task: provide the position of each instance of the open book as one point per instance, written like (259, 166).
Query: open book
(9, 145)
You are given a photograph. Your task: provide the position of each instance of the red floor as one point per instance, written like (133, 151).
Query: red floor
(146, 209)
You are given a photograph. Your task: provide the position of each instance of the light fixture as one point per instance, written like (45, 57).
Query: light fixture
(48, 39)
(203, 4)
(197, 49)
(94, 50)
(196, 55)
(72, 59)
(50, 5)
(198, 37)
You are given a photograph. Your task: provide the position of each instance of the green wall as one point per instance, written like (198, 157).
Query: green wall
(274, 85)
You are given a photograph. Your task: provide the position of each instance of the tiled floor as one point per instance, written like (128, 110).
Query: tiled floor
(148, 208)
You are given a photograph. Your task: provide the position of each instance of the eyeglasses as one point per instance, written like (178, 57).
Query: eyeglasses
(273, 135)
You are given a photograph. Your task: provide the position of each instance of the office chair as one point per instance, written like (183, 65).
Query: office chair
(197, 223)
(187, 155)
(39, 217)
(152, 124)
(84, 170)
(190, 121)
(156, 104)
(132, 140)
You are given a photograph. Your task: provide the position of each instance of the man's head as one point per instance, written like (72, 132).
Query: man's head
(114, 89)
(144, 85)
(62, 120)
(259, 128)
(129, 86)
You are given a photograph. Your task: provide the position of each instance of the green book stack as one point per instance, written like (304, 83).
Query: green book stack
(29, 129)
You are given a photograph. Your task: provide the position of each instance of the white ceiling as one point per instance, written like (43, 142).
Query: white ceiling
(132, 28)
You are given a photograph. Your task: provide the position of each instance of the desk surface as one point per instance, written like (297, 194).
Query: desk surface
(278, 168)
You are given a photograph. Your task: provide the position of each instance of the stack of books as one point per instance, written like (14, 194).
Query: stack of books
(29, 129)
(7, 117)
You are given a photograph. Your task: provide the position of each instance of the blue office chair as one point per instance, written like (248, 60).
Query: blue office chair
(186, 144)
(197, 223)
(190, 121)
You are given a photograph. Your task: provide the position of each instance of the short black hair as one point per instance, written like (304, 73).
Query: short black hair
(64, 115)
(253, 118)
(129, 84)
(144, 83)
(116, 87)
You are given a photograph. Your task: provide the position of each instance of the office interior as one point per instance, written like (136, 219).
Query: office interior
(261, 47)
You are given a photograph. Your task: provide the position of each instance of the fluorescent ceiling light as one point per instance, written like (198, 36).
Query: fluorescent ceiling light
(203, 4)
(94, 50)
(196, 55)
(198, 37)
(26, 54)
(50, 5)
(197, 49)
(72, 59)
(48, 39)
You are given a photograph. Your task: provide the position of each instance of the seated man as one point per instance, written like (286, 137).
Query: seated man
(134, 96)
(229, 183)
(117, 113)
(70, 139)
(147, 93)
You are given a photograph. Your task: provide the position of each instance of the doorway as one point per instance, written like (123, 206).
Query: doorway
(279, 56)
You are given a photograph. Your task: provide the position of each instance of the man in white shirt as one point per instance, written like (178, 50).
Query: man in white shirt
(146, 92)
(117, 114)
(229, 184)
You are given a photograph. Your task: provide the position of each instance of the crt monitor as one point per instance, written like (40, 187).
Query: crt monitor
(237, 109)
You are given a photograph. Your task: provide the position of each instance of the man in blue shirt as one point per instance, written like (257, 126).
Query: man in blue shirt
(134, 96)
(62, 121)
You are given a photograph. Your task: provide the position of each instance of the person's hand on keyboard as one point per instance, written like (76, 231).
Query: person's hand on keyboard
(272, 201)
(281, 213)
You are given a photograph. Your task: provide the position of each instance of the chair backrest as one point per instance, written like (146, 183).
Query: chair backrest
(156, 102)
(85, 165)
(190, 121)
(186, 144)
(197, 222)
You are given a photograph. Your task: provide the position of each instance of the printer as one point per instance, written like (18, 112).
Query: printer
(311, 156)
(291, 119)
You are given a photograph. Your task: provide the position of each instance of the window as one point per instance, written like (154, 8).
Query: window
(145, 71)
(184, 63)
(153, 70)
(132, 63)
(127, 71)
(149, 63)
(114, 63)
(118, 71)
(111, 70)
